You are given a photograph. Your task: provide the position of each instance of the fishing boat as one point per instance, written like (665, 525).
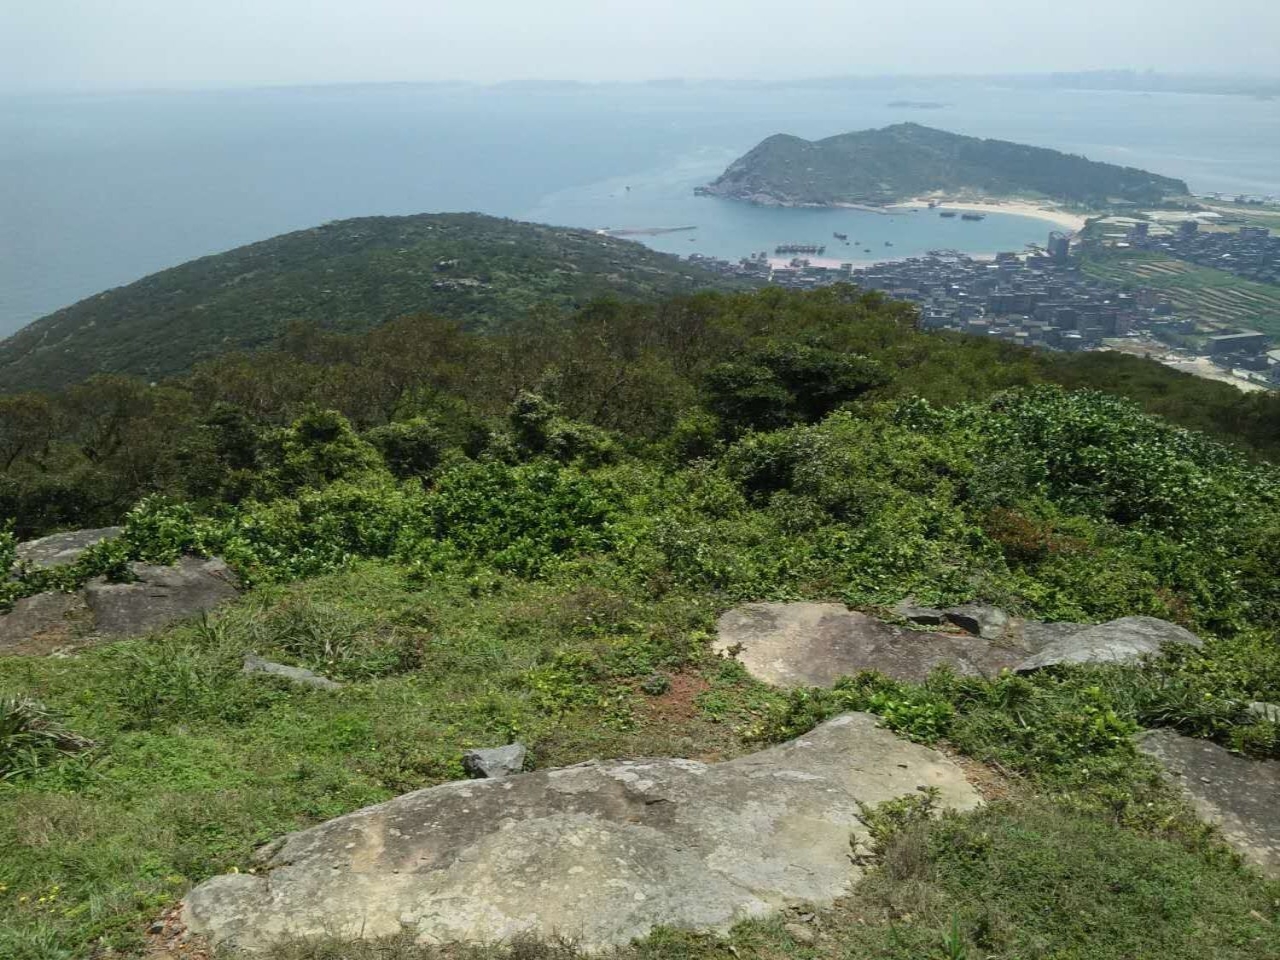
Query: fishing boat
(973, 216)
(946, 213)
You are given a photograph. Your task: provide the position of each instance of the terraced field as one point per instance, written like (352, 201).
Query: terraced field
(1212, 296)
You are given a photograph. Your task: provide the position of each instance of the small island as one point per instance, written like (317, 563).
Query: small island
(908, 161)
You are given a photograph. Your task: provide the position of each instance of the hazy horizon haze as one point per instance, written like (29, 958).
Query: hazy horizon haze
(130, 45)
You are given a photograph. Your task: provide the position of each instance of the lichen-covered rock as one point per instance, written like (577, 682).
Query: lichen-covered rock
(1240, 796)
(601, 852)
(813, 644)
(161, 595)
(1117, 641)
(60, 549)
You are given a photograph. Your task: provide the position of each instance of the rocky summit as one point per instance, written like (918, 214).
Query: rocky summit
(602, 852)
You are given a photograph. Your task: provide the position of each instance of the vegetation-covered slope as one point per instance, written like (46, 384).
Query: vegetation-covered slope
(906, 160)
(530, 536)
(349, 275)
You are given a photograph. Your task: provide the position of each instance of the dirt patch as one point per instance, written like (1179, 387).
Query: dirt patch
(992, 783)
(679, 702)
(168, 939)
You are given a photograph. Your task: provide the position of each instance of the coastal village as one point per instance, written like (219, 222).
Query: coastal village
(1045, 299)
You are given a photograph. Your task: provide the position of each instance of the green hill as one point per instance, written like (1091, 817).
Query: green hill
(907, 159)
(349, 275)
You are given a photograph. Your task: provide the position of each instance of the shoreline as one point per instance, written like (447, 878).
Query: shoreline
(1020, 208)
(783, 261)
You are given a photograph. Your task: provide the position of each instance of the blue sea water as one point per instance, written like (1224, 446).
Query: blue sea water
(99, 190)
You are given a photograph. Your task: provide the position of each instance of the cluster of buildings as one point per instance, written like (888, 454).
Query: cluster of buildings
(1042, 299)
(1249, 251)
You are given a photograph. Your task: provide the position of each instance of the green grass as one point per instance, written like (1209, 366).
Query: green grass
(1211, 296)
(196, 765)
(199, 764)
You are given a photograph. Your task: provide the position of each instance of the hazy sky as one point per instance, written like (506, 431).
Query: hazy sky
(126, 44)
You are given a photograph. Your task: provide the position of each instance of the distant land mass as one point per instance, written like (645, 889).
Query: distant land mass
(349, 275)
(906, 160)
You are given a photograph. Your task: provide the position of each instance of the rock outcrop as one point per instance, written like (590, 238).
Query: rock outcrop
(159, 595)
(813, 644)
(60, 549)
(43, 622)
(156, 597)
(1116, 641)
(602, 852)
(1240, 796)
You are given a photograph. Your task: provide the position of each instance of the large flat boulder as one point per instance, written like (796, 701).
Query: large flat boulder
(602, 852)
(160, 595)
(60, 549)
(1240, 796)
(813, 644)
(1117, 641)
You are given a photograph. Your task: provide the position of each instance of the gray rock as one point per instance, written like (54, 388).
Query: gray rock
(47, 617)
(1117, 641)
(601, 852)
(912, 612)
(495, 762)
(1266, 712)
(255, 664)
(813, 644)
(1236, 794)
(60, 549)
(161, 595)
(979, 619)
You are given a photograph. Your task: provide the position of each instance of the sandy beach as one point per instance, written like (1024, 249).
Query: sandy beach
(1020, 208)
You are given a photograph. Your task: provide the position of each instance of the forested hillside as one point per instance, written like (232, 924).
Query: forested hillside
(907, 160)
(83, 456)
(349, 275)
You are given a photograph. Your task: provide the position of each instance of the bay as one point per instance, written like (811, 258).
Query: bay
(99, 190)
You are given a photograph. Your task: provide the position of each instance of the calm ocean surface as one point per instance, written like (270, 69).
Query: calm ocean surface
(97, 191)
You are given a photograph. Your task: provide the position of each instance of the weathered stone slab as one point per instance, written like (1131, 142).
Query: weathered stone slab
(161, 596)
(813, 644)
(495, 762)
(1239, 795)
(42, 620)
(255, 664)
(601, 852)
(1117, 641)
(60, 549)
